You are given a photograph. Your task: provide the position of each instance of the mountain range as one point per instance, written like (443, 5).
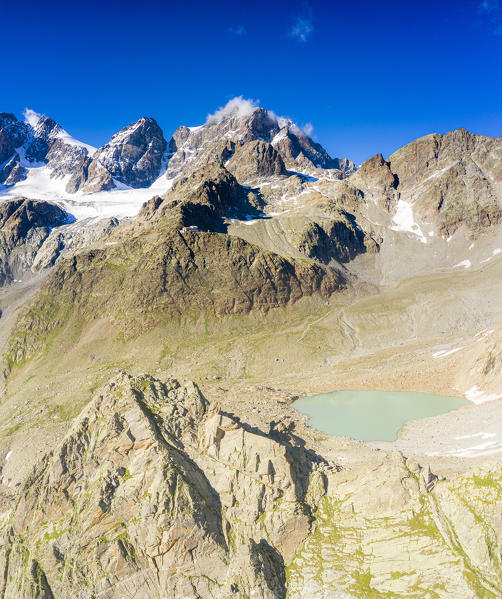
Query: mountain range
(238, 254)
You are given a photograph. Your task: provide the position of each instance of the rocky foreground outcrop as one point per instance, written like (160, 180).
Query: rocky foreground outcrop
(154, 491)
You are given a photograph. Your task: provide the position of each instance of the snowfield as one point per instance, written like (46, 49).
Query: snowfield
(121, 202)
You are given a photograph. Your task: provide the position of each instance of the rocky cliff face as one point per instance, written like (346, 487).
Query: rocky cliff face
(453, 180)
(296, 149)
(133, 156)
(155, 491)
(445, 182)
(35, 234)
(24, 227)
(256, 160)
(40, 141)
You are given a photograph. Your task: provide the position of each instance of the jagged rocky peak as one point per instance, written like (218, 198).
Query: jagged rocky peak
(133, 157)
(431, 153)
(16, 132)
(240, 122)
(38, 140)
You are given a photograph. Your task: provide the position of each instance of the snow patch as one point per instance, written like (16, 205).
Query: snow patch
(71, 141)
(483, 436)
(120, 202)
(403, 220)
(446, 352)
(464, 263)
(283, 133)
(478, 396)
(496, 251)
(8, 456)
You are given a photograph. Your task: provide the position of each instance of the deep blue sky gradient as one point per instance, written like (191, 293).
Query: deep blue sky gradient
(370, 76)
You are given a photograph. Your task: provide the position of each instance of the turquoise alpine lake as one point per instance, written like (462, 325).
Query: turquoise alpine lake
(372, 415)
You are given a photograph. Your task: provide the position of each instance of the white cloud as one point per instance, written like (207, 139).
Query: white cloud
(490, 6)
(302, 29)
(240, 107)
(238, 30)
(237, 107)
(31, 117)
(492, 11)
(308, 128)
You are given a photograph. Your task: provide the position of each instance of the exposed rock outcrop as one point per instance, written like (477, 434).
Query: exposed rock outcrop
(155, 491)
(450, 181)
(337, 239)
(133, 156)
(24, 227)
(12, 172)
(255, 160)
(189, 146)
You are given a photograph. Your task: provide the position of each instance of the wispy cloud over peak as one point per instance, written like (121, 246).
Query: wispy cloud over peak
(303, 24)
(31, 117)
(490, 6)
(238, 30)
(491, 10)
(308, 129)
(236, 107)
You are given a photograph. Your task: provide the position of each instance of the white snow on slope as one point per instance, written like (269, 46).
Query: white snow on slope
(477, 395)
(124, 202)
(71, 141)
(483, 436)
(464, 263)
(403, 220)
(445, 352)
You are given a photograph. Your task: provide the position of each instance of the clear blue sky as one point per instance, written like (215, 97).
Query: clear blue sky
(370, 76)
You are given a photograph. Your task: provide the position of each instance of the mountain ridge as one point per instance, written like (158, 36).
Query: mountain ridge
(249, 268)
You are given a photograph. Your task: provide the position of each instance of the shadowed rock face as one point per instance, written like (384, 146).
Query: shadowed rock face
(337, 239)
(35, 234)
(12, 172)
(14, 131)
(24, 227)
(256, 159)
(133, 156)
(6, 147)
